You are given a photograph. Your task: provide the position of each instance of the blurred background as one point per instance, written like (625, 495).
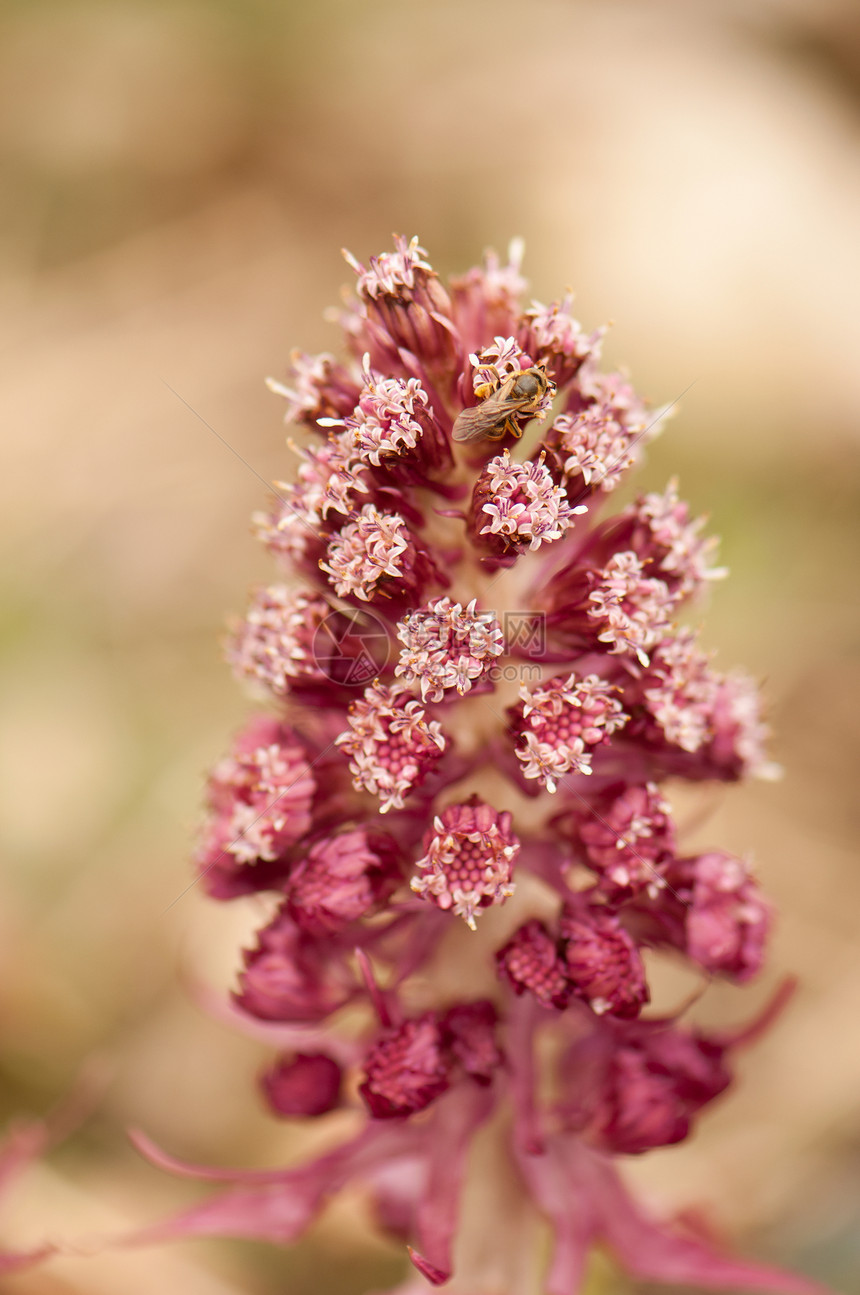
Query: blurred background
(177, 180)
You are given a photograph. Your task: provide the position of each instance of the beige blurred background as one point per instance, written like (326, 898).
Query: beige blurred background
(177, 181)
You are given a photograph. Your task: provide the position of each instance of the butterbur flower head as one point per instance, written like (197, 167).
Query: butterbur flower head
(602, 962)
(479, 689)
(259, 804)
(630, 610)
(531, 962)
(517, 507)
(628, 837)
(342, 878)
(553, 332)
(376, 557)
(275, 644)
(318, 388)
(407, 1068)
(447, 646)
(658, 528)
(558, 726)
(391, 744)
(468, 860)
(657, 1079)
(303, 1085)
(405, 304)
(727, 920)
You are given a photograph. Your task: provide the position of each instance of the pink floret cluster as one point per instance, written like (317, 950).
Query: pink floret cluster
(477, 686)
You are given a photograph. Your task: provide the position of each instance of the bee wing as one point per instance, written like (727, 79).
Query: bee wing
(472, 424)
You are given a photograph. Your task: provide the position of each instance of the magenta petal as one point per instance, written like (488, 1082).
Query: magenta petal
(654, 1251)
(275, 1212)
(14, 1261)
(458, 1117)
(277, 1034)
(567, 1206)
(435, 1276)
(274, 1205)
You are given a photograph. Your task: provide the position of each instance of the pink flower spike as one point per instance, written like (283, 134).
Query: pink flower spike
(428, 580)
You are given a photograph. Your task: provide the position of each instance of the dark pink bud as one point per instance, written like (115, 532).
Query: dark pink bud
(407, 1068)
(470, 1031)
(603, 963)
(259, 805)
(655, 1079)
(304, 1084)
(289, 977)
(727, 919)
(341, 879)
(641, 1108)
(531, 961)
(628, 836)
